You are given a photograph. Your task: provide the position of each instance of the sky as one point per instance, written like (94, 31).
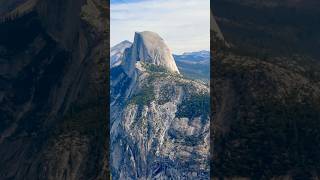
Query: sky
(183, 24)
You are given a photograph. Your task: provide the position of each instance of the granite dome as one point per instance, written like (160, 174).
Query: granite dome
(149, 47)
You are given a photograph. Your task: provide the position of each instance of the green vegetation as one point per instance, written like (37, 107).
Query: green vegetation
(145, 96)
(277, 138)
(194, 106)
(155, 77)
(267, 136)
(166, 93)
(158, 71)
(154, 68)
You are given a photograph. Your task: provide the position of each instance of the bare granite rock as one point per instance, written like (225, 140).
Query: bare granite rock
(148, 47)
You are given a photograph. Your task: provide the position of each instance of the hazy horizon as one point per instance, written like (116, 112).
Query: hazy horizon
(173, 52)
(183, 24)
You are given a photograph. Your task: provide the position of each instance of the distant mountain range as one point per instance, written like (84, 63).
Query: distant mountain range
(193, 65)
(194, 56)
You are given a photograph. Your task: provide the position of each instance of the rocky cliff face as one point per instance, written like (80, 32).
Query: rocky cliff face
(193, 65)
(270, 27)
(265, 92)
(116, 52)
(149, 47)
(159, 120)
(53, 78)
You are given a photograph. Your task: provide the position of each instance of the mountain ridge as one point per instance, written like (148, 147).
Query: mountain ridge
(116, 52)
(148, 47)
(194, 65)
(153, 134)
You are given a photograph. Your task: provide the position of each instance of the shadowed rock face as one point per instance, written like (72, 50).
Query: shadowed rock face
(149, 47)
(53, 78)
(265, 91)
(217, 35)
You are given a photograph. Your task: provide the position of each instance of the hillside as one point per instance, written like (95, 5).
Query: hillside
(159, 120)
(194, 65)
(53, 89)
(265, 92)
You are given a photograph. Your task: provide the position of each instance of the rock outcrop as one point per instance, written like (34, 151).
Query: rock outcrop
(116, 52)
(159, 120)
(265, 92)
(148, 47)
(215, 29)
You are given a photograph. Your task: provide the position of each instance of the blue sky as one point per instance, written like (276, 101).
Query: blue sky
(124, 1)
(183, 24)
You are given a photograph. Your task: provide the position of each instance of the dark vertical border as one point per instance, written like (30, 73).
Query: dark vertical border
(107, 105)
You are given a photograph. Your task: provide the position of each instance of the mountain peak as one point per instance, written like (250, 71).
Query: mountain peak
(149, 47)
(117, 51)
(122, 45)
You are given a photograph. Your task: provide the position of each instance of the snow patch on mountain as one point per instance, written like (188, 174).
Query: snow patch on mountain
(116, 52)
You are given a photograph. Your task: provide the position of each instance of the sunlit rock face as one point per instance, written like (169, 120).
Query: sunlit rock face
(149, 47)
(159, 126)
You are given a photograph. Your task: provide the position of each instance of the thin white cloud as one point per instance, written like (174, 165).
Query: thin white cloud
(184, 24)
